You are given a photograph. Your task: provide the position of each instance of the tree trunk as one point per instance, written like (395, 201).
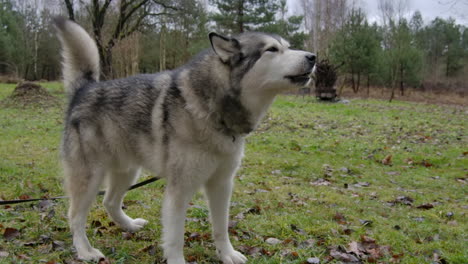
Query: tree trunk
(240, 13)
(358, 82)
(368, 85)
(106, 68)
(402, 88)
(162, 49)
(392, 95)
(71, 12)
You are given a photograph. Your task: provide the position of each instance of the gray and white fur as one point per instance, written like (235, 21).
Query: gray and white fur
(187, 125)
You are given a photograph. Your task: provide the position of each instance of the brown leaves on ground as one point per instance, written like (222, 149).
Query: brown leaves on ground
(366, 250)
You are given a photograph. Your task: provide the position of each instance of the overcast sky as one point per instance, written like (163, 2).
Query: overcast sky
(428, 8)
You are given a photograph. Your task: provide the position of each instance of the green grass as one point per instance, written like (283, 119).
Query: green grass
(283, 158)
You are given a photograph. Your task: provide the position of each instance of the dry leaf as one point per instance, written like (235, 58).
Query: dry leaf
(387, 160)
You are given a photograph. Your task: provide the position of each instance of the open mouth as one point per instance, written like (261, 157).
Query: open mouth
(301, 79)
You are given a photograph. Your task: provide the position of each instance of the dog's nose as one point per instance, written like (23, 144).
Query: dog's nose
(311, 58)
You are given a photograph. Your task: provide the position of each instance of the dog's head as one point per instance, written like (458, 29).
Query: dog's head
(263, 62)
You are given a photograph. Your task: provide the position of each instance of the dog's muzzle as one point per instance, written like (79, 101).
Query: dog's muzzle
(304, 78)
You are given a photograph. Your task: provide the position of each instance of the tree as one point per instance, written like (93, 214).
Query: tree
(322, 20)
(11, 39)
(288, 28)
(444, 40)
(403, 58)
(238, 16)
(355, 47)
(131, 15)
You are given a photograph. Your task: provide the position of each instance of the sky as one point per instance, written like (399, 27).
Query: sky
(429, 9)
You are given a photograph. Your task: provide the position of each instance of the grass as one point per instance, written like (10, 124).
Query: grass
(300, 142)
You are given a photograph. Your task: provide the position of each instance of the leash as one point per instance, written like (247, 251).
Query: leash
(8, 202)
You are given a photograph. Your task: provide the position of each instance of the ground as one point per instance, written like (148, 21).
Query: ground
(368, 181)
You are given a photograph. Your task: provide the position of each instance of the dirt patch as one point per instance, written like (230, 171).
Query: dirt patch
(30, 94)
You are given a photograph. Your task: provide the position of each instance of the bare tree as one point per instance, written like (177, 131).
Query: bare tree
(393, 10)
(323, 18)
(130, 18)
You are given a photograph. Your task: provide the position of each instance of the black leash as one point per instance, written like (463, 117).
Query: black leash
(145, 182)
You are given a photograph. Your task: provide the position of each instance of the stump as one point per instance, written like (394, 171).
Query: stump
(325, 78)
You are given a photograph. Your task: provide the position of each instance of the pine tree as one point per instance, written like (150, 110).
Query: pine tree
(237, 16)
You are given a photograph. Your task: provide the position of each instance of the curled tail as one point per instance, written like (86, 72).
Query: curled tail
(80, 55)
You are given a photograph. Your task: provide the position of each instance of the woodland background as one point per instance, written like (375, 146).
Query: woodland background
(399, 51)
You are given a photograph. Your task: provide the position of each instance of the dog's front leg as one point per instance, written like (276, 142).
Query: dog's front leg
(218, 192)
(173, 219)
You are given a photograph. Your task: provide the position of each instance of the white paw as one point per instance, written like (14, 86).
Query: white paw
(135, 225)
(90, 255)
(232, 257)
(176, 261)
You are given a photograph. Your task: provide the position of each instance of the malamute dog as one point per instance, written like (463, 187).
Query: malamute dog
(187, 125)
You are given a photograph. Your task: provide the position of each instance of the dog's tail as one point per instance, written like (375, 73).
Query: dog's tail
(80, 55)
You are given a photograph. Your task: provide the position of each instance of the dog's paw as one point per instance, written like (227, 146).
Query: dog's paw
(90, 255)
(232, 257)
(176, 261)
(135, 225)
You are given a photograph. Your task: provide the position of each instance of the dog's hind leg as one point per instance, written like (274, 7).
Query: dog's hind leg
(82, 183)
(118, 183)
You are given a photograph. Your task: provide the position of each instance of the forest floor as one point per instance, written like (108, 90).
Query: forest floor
(366, 181)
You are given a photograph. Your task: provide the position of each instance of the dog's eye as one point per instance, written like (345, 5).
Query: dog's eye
(272, 49)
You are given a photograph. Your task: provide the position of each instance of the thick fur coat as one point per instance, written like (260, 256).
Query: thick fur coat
(187, 125)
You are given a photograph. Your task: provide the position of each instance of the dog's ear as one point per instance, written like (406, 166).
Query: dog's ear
(224, 47)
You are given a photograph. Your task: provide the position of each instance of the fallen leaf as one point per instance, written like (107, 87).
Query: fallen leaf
(104, 261)
(58, 245)
(406, 200)
(341, 255)
(273, 241)
(127, 235)
(327, 170)
(362, 184)
(321, 182)
(44, 205)
(24, 197)
(426, 206)
(426, 163)
(23, 256)
(151, 250)
(11, 233)
(251, 251)
(309, 243)
(4, 254)
(313, 261)
(298, 230)
(387, 160)
(338, 217)
(367, 223)
(461, 180)
(396, 258)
